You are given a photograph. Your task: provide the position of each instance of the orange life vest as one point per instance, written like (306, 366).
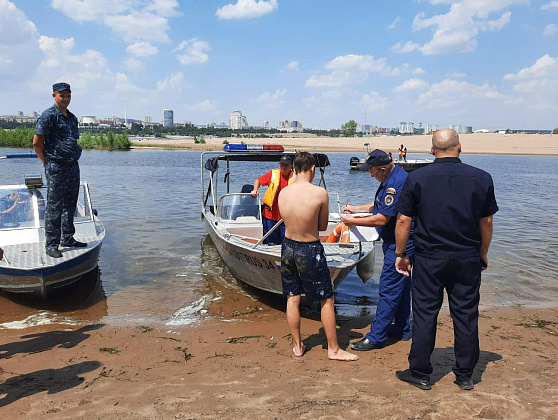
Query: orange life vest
(273, 187)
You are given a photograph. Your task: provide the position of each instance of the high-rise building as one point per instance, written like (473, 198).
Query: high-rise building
(236, 120)
(406, 127)
(168, 117)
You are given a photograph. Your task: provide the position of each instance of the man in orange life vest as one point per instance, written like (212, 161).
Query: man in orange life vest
(276, 180)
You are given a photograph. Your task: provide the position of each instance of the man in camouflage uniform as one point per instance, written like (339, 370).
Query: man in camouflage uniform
(55, 142)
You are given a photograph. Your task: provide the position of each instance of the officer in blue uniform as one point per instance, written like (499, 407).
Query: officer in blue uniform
(55, 142)
(453, 206)
(394, 303)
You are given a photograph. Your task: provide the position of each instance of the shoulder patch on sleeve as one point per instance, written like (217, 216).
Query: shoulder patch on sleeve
(388, 200)
(391, 190)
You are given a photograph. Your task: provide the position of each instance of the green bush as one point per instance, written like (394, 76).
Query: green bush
(18, 137)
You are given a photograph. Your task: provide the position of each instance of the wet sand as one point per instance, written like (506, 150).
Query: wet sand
(238, 364)
(487, 143)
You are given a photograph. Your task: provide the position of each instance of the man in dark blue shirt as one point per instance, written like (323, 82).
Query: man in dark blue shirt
(453, 205)
(394, 302)
(55, 142)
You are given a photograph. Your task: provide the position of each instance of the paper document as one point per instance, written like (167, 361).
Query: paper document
(358, 214)
(363, 233)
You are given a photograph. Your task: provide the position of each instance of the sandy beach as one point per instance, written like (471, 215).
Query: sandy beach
(238, 364)
(487, 143)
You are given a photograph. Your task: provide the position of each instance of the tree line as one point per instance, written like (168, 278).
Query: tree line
(23, 137)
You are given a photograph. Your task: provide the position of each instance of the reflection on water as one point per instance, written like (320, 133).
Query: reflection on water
(158, 266)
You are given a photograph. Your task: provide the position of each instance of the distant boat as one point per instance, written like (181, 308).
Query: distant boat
(25, 267)
(408, 165)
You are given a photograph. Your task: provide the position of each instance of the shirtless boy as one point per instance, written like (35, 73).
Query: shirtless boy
(303, 264)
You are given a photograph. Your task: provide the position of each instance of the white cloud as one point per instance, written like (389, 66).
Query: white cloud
(412, 84)
(207, 105)
(173, 83)
(537, 86)
(142, 49)
(357, 62)
(453, 93)
(247, 9)
(165, 8)
(393, 24)
(457, 75)
(19, 44)
(192, 51)
(353, 70)
(335, 79)
(139, 26)
(374, 102)
(405, 47)
(551, 5)
(266, 96)
(271, 100)
(292, 66)
(457, 30)
(131, 20)
(550, 29)
(544, 67)
(90, 10)
(134, 65)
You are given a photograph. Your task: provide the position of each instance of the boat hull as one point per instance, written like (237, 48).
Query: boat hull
(408, 166)
(51, 275)
(261, 267)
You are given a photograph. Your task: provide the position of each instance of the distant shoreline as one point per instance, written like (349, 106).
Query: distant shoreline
(475, 143)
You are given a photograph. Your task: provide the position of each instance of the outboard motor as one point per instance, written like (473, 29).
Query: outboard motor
(354, 162)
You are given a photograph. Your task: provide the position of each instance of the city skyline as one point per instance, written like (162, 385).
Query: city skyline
(483, 64)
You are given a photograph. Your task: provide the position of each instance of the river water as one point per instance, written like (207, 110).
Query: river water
(157, 264)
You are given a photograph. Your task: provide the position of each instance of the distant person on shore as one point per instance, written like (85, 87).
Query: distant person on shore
(55, 142)
(453, 205)
(402, 153)
(276, 180)
(303, 263)
(394, 303)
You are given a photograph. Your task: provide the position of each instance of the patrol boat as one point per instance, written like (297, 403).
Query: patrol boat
(233, 219)
(26, 268)
(408, 165)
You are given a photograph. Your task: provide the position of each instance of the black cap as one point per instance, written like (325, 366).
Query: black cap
(59, 87)
(376, 157)
(286, 159)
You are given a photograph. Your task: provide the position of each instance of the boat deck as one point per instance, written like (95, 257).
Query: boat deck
(30, 256)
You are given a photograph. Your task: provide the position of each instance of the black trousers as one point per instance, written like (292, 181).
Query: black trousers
(62, 197)
(461, 279)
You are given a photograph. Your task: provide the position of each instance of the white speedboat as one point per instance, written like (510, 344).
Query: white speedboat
(234, 223)
(408, 165)
(25, 267)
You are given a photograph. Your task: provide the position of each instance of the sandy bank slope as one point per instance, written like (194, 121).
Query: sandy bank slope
(489, 143)
(245, 369)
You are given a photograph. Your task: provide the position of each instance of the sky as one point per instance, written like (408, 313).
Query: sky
(489, 64)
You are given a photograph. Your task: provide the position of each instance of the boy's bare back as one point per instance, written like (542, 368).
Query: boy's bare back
(304, 208)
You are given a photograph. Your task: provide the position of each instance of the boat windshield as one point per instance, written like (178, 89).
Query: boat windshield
(239, 208)
(22, 207)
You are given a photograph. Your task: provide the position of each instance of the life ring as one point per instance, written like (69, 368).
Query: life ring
(340, 233)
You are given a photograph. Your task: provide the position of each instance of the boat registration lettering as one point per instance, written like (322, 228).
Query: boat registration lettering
(256, 262)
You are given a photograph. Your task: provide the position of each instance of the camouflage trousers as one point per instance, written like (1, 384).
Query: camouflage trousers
(62, 196)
